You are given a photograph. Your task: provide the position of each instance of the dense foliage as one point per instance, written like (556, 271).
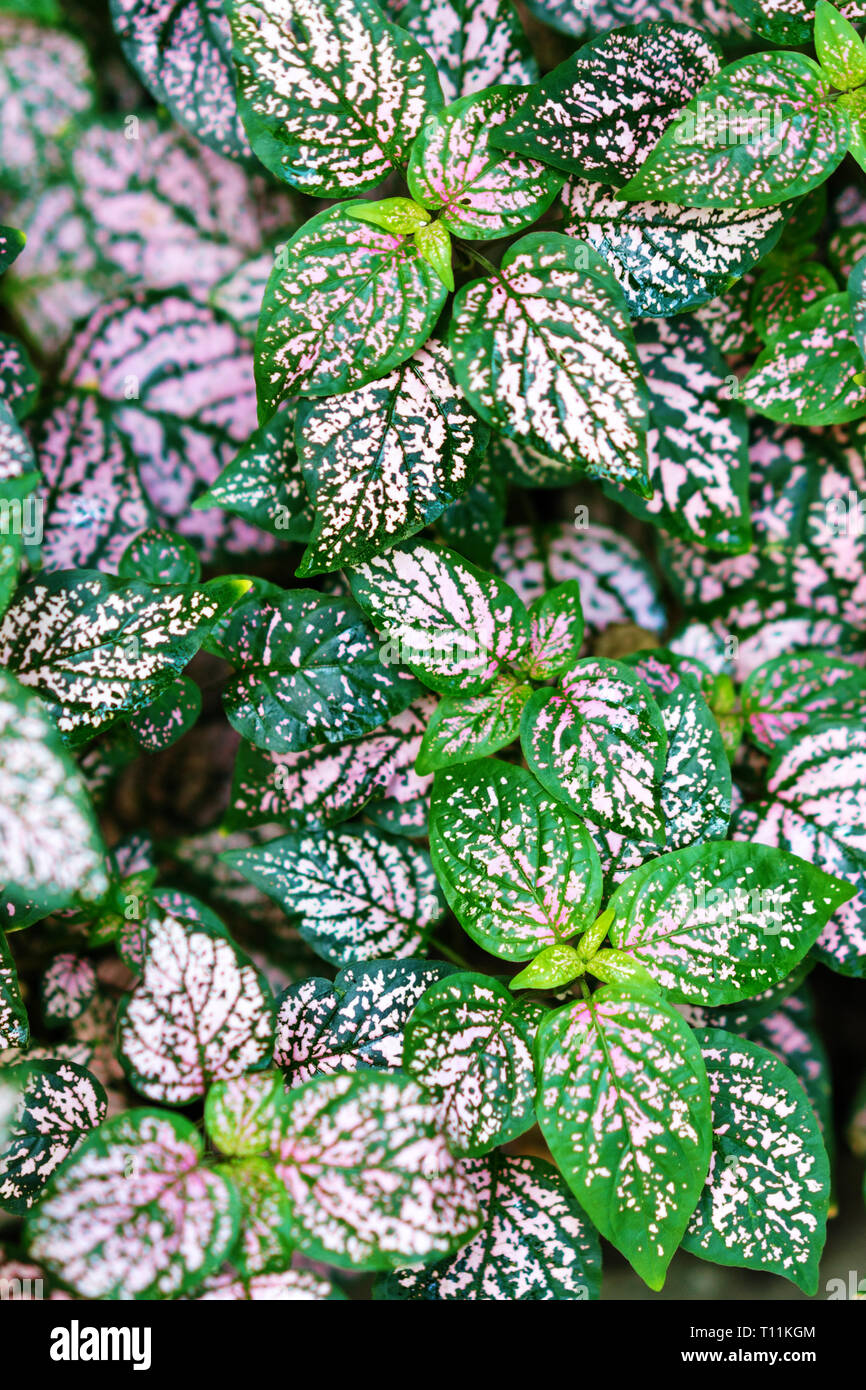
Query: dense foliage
(432, 611)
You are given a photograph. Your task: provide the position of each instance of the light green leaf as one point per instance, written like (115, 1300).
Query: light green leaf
(264, 1244)
(394, 214)
(551, 968)
(240, 1113)
(433, 243)
(839, 47)
(463, 729)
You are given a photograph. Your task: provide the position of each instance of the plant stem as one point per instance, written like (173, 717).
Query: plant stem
(447, 952)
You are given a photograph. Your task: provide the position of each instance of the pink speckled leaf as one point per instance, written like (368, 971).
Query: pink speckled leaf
(463, 729)
(383, 461)
(264, 483)
(765, 1203)
(201, 1013)
(58, 1104)
(264, 1245)
(46, 85)
(474, 44)
(134, 1214)
(556, 632)
(454, 625)
(535, 1243)
(624, 1105)
(593, 16)
(808, 376)
(599, 744)
(353, 1022)
(789, 21)
(779, 300)
(784, 697)
(67, 987)
(518, 870)
(600, 112)
(14, 1027)
(369, 1175)
(11, 246)
(544, 353)
(19, 381)
(358, 894)
(181, 51)
(283, 1286)
(789, 1032)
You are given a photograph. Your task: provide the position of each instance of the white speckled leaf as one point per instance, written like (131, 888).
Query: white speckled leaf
(452, 624)
(785, 696)
(764, 129)
(535, 1243)
(264, 482)
(468, 1045)
(329, 783)
(14, 1027)
(778, 300)
(598, 743)
(94, 647)
(714, 16)
(721, 921)
(331, 94)
(181, 51)
(345, 303)
(382, 462)
(369, 1175)
(308, 670)
(353, 1022)
(46, 86)
(462, 729)
(264, 1244)
(201, 1013)
(67, 987)
(479, 192)
(133, 1214)
(624, 1105)
(600, 112)
(59, 1103)
(358, 893)
(789, 1032)
(667, 258)
(168, 718)
(544, 352)
(19, 380)
(808, 376)
(556, 632)
(240, 1113)
(474, 44)
(285, 1286)
(789, 21)
(519, 872)
(765, 1203)
(11, 246)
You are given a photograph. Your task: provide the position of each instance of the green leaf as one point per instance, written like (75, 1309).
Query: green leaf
(857, 304)
(370, 1177)
(19, 380)
(617, 968)
(721, 921)
(11, 245)
(331, 94)
(600, 111)
(475, 44)
(519, 872)
(789, 1033)
(14, 1027)
(551, 968)
(479, 192)
(394, 214)
(778, 301)
(556, 632)
(158, 557)
(787, 695)
(764, 129)
(809, 377)
(473, 524)
(172, 714)
(201, 1013)
(463, 729)
(353, 1022)
(765, 1203)
(598, 744)
(624, 1105)
(358, 893)
(433, 243)
(264, 1244)
(384, 461)
(790, 21)
(240, 1114)
(535, 1243)
(667, 258)
(454, 625)
(309, 670)
(264, 482)
(468, 1044)
(58, 1104)
(345, 303)
(839, 47)
(134, 1214)
(544, 352)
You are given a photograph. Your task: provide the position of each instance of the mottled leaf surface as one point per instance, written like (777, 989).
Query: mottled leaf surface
(14, 1027)
(46, 86)
(790, 693)
(463, 729)
(264, 483)
(240, 1113)
(808, 377)
(67, 987)
(59, 1103)
(474, 44)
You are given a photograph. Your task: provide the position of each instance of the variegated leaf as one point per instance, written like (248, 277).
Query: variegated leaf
(474, 44)
(788, 21)
(327, 784)
(556, 632)
(201, 1013)
(14, 1027)
(264, 482)
(463, 729)
(11, 245)
(544, 352)
(766, 128)
(19, 381)
(766, 1198)
(784, 697)
(454, 625)
(308, 670)
(624, 1105)
(779, 300)
(370, 1178)
(479, 192)
(745, 1015)
(809, 376)
(94, 647)
(714, 16)
(600, 112)
(345, 303)
(264, 1244)
(168, 718)
(181, 51)
(665, 257)
(358, 894)
(285, 1286)
(240, 1113)
(721, 921)
(59, 1103)
(46, 86)
(134, 1214)
(384, 461)
(67, 987)
(599, 744)
(353, 1022)
(331, 94)
(468, 1045)
(788, 1031)
(535, 1243)
(518, 870)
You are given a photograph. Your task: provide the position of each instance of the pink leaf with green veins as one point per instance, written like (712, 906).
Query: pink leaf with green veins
(286, 1286)
(475, 44)
(556, 623)
(462, 729)
(784, 696)
(67, 986)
